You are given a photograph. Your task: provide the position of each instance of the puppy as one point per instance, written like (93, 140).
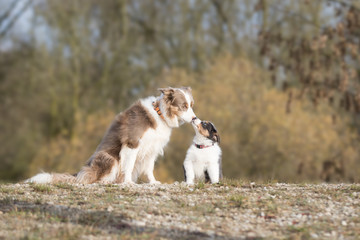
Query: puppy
(203, 158)
(134, 140)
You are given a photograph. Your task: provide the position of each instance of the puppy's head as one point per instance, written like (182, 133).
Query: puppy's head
(206, 129)
(179, 103)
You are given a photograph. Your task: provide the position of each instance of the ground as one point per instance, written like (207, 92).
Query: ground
(230, 210)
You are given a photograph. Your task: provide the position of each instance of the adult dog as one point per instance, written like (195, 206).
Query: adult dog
(133, 141)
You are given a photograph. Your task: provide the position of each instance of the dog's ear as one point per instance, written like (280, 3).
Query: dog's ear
(187, 89)
(167, 91)
(213, 128)
(215, 134)
(216, 137)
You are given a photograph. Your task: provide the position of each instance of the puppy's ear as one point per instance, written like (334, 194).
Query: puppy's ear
(216, 138)
(213, 128)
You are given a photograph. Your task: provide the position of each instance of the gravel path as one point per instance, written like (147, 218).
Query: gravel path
(230, 210)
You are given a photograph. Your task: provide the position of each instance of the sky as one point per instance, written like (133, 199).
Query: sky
(25, 24)
(21, 27)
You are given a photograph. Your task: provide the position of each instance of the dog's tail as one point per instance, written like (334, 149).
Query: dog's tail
(52, 178)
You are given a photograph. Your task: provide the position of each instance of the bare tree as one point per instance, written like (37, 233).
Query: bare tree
(11, 14)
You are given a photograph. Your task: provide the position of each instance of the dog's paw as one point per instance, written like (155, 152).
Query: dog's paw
(155, 182)
(127, 183)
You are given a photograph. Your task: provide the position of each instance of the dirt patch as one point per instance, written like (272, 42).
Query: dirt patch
(230, 210)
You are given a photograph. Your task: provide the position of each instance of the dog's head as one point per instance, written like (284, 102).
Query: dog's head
(206, 129)
(178, 104)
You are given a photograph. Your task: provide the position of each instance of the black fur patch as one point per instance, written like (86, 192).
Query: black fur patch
(184, 173)
(207, 177)
(210, 127)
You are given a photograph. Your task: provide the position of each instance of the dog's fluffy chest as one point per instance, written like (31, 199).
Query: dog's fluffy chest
(154, 140)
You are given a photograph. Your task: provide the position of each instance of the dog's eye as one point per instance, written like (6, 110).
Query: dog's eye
(192, 104)
(185, 106)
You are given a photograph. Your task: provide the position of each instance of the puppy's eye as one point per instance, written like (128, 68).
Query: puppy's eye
(185, 106)
(192, 104)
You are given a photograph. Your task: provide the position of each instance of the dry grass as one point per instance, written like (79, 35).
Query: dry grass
(231, 209)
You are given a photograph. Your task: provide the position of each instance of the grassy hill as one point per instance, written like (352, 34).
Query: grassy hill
(230, 210)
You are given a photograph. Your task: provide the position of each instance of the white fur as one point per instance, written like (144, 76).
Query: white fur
(127, 162)
(197, 161)
(111, 177)
(40, 178)
(189, 114)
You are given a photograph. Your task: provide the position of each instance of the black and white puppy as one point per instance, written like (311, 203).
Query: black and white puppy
(203, 158)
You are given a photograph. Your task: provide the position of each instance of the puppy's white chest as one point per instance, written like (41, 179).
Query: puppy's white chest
(205, 156)
(201, 159)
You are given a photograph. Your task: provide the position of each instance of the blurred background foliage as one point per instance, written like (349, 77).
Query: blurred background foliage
(279, 79)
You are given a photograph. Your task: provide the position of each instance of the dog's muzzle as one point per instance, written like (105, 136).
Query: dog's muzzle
(196, 121)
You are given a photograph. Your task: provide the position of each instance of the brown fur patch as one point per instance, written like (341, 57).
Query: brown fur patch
(88, 175)
(203, 131)
(188, 90)
(103, 164)
(133, 123)
(175, 101)
(62, 177)
(126, 130)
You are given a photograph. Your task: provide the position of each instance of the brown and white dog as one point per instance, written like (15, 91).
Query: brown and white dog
(133, 141)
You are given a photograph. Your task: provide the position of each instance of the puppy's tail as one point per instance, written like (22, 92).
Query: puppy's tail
(52, 178)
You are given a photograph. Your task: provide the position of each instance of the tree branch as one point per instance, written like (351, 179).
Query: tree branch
(13, 19)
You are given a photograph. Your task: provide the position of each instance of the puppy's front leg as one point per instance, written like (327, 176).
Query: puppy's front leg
(214, 174)
(127, 162)
(189, 172)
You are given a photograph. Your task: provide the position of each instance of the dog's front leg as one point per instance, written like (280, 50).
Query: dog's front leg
(127, 162)
(213, 170)
(189, 172)
(149, 170)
